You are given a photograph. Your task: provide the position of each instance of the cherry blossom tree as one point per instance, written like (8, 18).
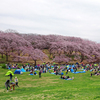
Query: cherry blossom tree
(10, 42)
(62, 48)
(34, 54)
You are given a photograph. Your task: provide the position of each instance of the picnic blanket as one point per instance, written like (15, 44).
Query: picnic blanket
(79, 72)
(67, 79)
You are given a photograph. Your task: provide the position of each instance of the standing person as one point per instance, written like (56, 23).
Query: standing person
(39, 74)
(66, 71)
(10, 77)
(16, 81)
(91, 74)
(7, 84)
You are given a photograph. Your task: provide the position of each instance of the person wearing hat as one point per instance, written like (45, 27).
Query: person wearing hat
(16, 81)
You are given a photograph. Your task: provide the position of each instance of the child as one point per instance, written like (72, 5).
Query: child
(16, 81)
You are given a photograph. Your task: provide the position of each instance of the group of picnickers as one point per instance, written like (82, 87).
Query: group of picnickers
(47, 67)
(95, 71)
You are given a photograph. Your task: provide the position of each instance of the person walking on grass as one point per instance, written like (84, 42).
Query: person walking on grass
(39, 74)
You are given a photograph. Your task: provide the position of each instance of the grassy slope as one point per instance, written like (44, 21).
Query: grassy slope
(50, 87)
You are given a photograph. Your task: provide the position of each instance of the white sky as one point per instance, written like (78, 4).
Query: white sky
(78, 18)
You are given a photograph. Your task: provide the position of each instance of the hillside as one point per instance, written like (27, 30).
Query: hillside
(16, 47)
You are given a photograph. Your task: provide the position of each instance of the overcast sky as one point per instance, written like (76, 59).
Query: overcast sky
(78, 18)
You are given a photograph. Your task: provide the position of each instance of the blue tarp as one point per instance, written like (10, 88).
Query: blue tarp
(31, 74)
(35, 69)
(70, 65)
(73, 65)
(65, 79)
(23, 70)
(52, 73)
(52, 66)
(58, 73)
(79, 72)
(62, 73)
(72, 70)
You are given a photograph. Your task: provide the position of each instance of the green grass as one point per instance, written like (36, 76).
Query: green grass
(51, 87)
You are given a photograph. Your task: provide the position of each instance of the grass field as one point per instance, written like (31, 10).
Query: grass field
(51, 87)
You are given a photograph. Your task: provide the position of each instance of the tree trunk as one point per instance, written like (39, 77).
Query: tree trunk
(6, 57)
(2, 55)
(82, 57)
(18, 57)
(12, 50)
(35, 62)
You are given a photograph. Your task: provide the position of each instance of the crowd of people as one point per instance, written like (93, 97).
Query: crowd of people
(48, 67)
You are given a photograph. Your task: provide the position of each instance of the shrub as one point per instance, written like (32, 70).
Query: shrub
(4, 66)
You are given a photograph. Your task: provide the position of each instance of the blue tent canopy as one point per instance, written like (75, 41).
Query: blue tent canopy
(17, 71)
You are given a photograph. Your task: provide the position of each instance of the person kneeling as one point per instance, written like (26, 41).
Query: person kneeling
(12, 84)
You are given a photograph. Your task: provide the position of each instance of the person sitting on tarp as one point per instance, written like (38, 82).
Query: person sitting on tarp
(31, 72)
(67, 77)
(49, 71)
(95, 73)
(63, 77)
(75, 69)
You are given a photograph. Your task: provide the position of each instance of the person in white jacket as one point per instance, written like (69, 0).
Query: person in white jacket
(16, 81)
